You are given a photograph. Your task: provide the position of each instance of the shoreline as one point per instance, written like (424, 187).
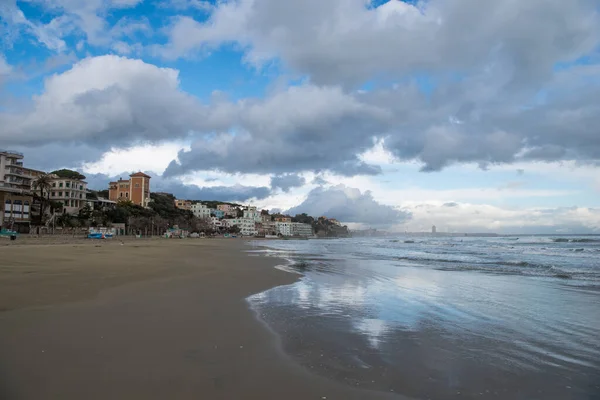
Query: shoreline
(145, 319)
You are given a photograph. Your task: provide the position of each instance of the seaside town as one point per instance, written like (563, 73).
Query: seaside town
(60, 201)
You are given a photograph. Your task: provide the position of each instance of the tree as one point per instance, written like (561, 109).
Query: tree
(68, 174)
(85, 213)
(203, 225)
(234, 229)
(43, 183)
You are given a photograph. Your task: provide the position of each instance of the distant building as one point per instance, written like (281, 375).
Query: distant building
(16, 209)
(217, 213)
(12, 172)
(136, 189)
(183, 204)
(282, 218)
(248, 227)
(433, 229)
(228, 209)
(283, 228)
(101, 203)
(200, 210)
(253, 214)
(300, 229)
(69, 192)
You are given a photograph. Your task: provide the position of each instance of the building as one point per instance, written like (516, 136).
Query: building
(200, 210)
(216, 223)
(228, 209)
(283, 228)
(433, 229)
(16, 209)
(136, 189)
(12, 172)
(252, 213)
(183, 204)
(217, 213)
(300, 229)
(282, 218)
(247, 226)
(101, 203)
(70, 192)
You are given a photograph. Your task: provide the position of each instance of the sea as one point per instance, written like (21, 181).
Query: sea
(442, 317)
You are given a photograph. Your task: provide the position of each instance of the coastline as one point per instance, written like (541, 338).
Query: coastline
(144, 319)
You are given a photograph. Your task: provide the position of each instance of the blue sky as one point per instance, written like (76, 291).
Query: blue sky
(227, 95)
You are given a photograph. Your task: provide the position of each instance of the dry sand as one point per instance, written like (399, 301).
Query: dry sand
(143, 319)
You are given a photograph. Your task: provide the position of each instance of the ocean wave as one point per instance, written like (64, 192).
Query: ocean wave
(568, 240)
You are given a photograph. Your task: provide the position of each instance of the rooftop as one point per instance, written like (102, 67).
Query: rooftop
(12, 153)
(141, 174)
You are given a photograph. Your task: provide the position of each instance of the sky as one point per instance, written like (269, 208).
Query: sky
(470, 115)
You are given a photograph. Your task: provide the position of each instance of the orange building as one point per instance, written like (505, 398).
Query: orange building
(136, 189)
(183, 204)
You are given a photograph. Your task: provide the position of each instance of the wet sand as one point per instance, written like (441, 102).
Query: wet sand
(144, 319)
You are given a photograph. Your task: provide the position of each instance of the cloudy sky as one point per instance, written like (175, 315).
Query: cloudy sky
(471, 115)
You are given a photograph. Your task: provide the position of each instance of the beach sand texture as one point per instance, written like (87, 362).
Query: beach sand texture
(144, 319)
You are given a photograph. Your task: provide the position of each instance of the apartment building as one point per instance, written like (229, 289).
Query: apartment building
(228, 209)
(136, 189)
(300, 229)
(70, 192)
(293, 229)
(247, 226)
(252, 213)
(12, 172)
(16, 209)
(283, 228)
(201, 210)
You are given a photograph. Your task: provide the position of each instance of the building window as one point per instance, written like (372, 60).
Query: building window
(126, 194)
(137, 185)
(60, 184)
(80, 187)
(26, 208)
(81, 195)
(59, 194)
(53, 194)
(53, 184)
(68, 184)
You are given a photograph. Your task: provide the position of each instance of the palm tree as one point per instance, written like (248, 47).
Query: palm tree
(42, 183)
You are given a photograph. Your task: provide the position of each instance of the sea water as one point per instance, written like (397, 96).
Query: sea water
(443, 317)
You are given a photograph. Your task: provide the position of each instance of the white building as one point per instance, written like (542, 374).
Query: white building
(253, 214)
(293, 229)
(200, 210)
(300, 229)
(12, 173)
(283, 228)
(70, 192)
(247, 226)
(216, 222)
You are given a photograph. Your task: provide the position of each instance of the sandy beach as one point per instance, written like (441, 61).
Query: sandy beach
(143, 319)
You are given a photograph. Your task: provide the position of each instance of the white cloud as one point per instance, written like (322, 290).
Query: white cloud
(466, 217)
(153, 158)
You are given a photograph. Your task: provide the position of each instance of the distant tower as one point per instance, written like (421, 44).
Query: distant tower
(433, 229)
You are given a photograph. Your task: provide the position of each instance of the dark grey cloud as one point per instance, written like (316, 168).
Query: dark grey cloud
(349, 205)
(287, 181)
(191, 192)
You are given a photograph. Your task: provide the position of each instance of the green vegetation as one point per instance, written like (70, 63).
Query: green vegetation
(214, 204)
(68, 174)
